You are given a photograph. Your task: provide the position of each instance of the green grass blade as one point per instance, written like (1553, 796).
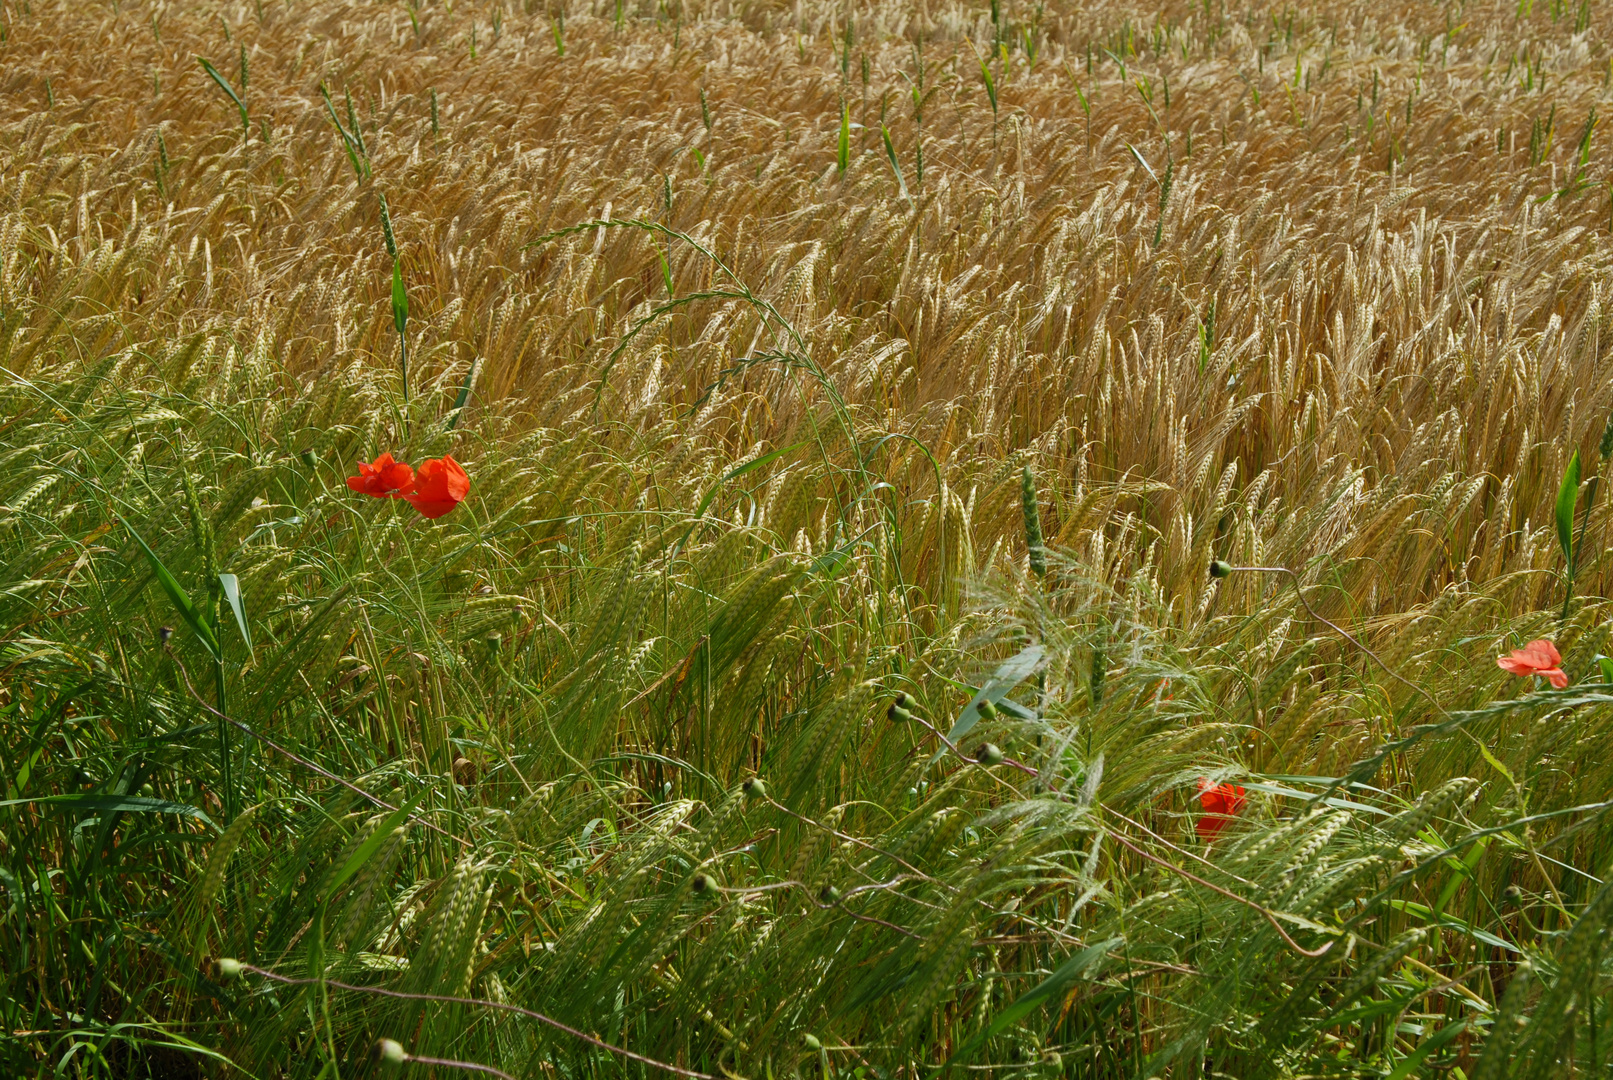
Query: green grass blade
(122, 804)
(231, 586)
(400, 300)
(741, 470)
(373, 843)
(896, 167)
(1013, 671)
(355, 152)
(1049, 990)
(178, 597)
(1567, 499)
(464, 393)
(843, 152)
(1410, 1063)
(224, 85)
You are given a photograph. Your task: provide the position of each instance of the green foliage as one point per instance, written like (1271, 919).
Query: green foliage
(597, 859)
(224, 85)
(722, 727)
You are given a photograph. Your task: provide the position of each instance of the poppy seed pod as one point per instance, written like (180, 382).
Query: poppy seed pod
(163, 634)
(390, 1051)
(989, 754)
(702, 885)
(829, 895)
(308, 458)
(754, 788)
(1219, 569)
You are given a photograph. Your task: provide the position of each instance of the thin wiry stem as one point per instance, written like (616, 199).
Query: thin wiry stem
(449, 1063)
(1264, 912)
(300, 760)
(1299, 592)
(500, 1006)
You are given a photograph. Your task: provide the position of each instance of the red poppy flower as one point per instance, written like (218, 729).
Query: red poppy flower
(439, 486)
(1221, 803)
(383, 478)
(1539, 657)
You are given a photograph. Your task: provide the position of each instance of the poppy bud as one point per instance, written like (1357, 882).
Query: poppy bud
(829, 895)
(390, 1051)
(229, 968)
(703, 884)
(989, 754)
(898, 714)
(754, 788)
(811, 1041)
(147, 790)
(163, 634)
(987, 710)
(1219, 569)
(905, 700)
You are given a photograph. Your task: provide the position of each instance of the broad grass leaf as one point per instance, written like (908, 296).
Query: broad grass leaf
(1410, 1063)
(123, 804)
(843, 151)
(372, 844)
(224, 85)
(400, 300)
(178, 597)
(1013, 671)
(1048, 990)
(1567, 498)
(231, 585)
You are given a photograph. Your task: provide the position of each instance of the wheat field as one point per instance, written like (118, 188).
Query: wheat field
(989, 534)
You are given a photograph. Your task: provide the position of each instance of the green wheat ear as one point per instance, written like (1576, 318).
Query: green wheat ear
(400, 296)
(1033, 523)
(843, 149)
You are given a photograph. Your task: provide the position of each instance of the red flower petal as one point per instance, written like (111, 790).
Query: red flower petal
(1221, 802)
(1539, 657)
(439, 486)
(382, 478)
